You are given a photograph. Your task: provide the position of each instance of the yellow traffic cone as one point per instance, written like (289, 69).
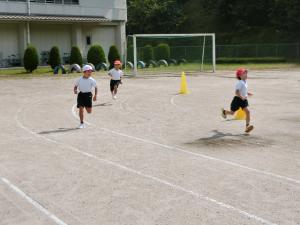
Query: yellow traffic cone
(240, 114)
(183, 86)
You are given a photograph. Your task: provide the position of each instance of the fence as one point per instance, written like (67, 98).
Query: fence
(288, 51)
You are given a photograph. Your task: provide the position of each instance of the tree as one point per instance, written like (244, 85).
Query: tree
(76, 57)
(157, 16)
(162, 51)
(96, 55)
(113, 55)
(31, 59)
(148, 53)
(54, 57)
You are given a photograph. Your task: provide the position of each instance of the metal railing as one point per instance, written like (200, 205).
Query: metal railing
(289, 51)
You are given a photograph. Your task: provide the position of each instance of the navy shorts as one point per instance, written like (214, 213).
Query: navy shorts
(237, 103)
(114, 83)
(84, 100)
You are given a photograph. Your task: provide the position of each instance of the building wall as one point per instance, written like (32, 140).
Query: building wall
(114, 10)
(13, 37)
(45, 36)
(103, 35)
(8, 39)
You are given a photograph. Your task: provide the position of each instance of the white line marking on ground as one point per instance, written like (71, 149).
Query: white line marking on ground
(197, 154)
(33, 202)
(174, 186)
(172, 100)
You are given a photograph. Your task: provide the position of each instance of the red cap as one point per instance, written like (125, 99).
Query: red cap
(117, 62)
(240, 72)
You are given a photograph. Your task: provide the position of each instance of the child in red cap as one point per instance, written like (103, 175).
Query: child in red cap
(240, 99)
(116, 75)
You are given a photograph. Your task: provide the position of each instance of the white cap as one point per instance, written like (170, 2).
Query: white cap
(86, 68)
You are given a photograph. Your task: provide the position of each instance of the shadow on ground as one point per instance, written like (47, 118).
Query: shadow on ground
(103, 104)
(59, 130)
(220, 139)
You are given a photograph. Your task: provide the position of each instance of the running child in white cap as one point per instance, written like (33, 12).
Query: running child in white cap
(85, 86)
(240, 99)
(116, 75)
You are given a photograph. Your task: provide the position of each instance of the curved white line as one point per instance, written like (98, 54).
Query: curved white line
(33, 202)
(172, 100)
(153, 178)
(200, 155)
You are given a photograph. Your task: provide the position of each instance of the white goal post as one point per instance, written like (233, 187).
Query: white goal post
(203, 35)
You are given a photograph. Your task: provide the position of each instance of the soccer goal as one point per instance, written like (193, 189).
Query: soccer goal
(171, 53)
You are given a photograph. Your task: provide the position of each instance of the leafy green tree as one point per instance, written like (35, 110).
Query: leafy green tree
(113, 55)
(148, 53)
(162, 51)
(76, 56)
(96, 55)
(54, 57)
(154, 16)
(30, 59)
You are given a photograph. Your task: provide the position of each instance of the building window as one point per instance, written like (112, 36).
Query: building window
(88, 40)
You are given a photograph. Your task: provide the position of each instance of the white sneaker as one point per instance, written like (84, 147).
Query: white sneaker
(223, 113)
(81, 126)
(115, 97)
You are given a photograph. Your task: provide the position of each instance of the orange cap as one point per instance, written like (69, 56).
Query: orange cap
(239, 72)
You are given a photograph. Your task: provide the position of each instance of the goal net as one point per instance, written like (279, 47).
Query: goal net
(170, 53)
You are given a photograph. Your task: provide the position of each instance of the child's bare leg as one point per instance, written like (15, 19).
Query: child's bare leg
(81, 114)
(249, 127)
(89, 110)
(228, 112)
(115, 90)
(247, 116)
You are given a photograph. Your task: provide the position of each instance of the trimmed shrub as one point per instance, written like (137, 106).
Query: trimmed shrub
(76, 57)
(113, 55)
(31, 59)
(148, 54)
(96, 55)
(162, 51)
(54, 57)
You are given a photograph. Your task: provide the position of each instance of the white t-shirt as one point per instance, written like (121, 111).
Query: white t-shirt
(115, 74)
(86, 84)
(242, 86)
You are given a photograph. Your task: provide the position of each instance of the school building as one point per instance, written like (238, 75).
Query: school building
(62, 23)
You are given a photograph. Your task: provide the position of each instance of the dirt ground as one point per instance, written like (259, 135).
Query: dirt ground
(151, 157)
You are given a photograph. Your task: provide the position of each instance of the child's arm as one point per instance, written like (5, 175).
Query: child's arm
(250, 94)
(237, 93)
(75, 89)
(95, 96)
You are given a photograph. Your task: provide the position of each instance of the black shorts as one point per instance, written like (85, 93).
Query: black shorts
(237, 103)
(84, 100)
(114, 83)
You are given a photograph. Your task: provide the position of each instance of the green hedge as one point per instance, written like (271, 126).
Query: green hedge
(96, 55)
(76, 57)
(148, 53)
(31, 59)
(250, 60)
(113, 55)
(162, 51)
(54, 57)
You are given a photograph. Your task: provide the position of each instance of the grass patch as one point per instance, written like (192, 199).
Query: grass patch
(22, 71)
(176, 70)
